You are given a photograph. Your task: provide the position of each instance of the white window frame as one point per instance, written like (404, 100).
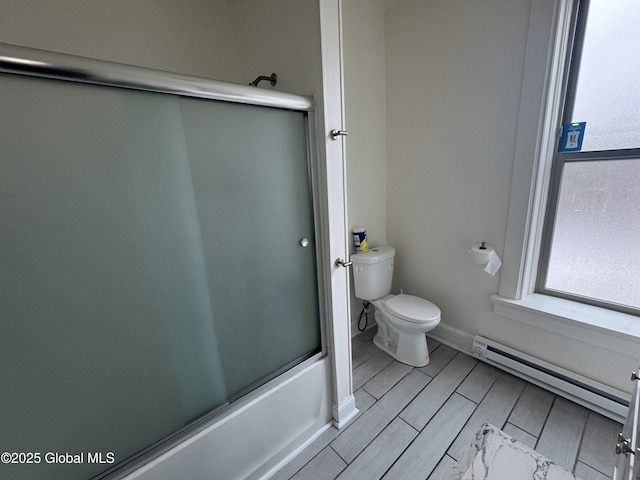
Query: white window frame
(549, 40)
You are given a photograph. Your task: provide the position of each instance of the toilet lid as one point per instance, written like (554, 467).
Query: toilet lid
(413, 309)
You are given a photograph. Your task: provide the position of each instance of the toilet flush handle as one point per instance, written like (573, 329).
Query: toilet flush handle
(340, 262)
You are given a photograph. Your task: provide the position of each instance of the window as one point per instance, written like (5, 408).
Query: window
(591, 239)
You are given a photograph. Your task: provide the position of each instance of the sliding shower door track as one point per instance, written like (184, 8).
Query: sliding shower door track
(19, 60)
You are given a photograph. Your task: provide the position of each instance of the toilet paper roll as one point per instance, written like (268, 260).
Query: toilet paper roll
(486, 255)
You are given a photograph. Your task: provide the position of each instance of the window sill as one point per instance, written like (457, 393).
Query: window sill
(616, 331)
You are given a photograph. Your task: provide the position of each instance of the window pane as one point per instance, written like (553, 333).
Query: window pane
(594, 250)
(606, 94)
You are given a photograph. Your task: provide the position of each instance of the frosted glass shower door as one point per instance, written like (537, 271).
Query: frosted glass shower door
(158, 261)
(251, 181)
(107, 340)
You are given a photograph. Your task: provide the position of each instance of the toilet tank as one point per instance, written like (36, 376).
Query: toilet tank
(373, 272)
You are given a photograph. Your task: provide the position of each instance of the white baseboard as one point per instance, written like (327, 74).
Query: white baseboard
(344, 413)
(355, 331)
(452, 337)
(443, 333)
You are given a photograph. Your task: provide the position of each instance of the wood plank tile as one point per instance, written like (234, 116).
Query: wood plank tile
(380, 454)
(370, 368)
(560, 437)
(598, 443)
(387, 378)
(304, 457)
(532, 409)
(356, 342)
(520, 435)
(369, 446)
(440, 357)
(325, 466)
(494, 409)
(363, 337)
(432, 343)
(478, 382)
(422, 456)
(357, 436)
(443, 470)
(362, 354)
(428, 402)
(585, 472)
(363, 402)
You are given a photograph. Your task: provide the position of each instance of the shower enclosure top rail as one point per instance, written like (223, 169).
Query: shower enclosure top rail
(20, 60)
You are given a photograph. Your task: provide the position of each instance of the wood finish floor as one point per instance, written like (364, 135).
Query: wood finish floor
(415, 423)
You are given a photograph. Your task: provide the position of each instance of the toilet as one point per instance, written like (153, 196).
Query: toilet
(402, 319)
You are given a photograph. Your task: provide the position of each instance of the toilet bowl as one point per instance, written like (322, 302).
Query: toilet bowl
(403, 320)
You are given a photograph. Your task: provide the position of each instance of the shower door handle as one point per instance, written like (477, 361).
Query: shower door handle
(342, 263)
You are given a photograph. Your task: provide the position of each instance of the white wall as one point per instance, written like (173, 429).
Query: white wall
(194, 37)
(365, 110)
(227, 40)
(281, 36)
(454, 84)
(454, 71)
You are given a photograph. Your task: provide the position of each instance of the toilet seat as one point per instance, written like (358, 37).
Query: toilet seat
(413, 309)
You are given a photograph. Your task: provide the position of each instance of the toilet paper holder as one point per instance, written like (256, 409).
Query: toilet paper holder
(484, 254)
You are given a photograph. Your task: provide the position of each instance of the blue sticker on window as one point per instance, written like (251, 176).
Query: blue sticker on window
(572, 136)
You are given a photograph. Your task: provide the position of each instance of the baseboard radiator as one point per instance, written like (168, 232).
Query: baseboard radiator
(593, 395)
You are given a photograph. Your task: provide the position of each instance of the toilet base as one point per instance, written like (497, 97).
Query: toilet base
(408, 348)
